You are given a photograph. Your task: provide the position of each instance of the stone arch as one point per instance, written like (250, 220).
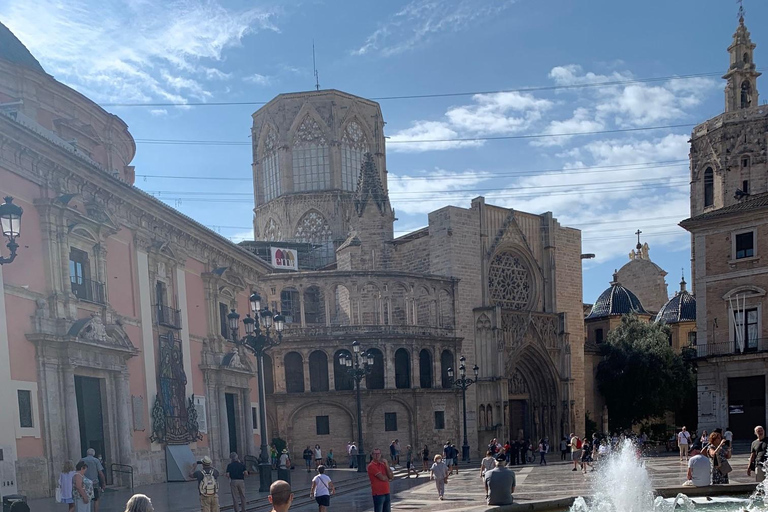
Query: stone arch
(425, 369)
(399, 301)
(272, 231)
(314, 305)
(446, 361)
(375, 379)
(310, 153)
(342, 380)
(375, 423)
(425, 308)
(313, 228)
(290, 305)
(318, 371)
(294, 372)
(302, 426)
(402, 369)
(370, 304)
(489, 416)
(355, 142)
(481, 417)
(512, 279)
(542, 383)
(745, 290)
(341, 305)
(746, 94)
(84, 232)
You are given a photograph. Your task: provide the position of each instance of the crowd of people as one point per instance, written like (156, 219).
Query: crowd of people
(708, 456)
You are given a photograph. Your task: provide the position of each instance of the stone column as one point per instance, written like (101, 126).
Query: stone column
(250, 443)
(415, 382)
(305, 366)
(70, 414)
(389, 367)
(331, 373)
(223, 424)
(123, 406)
(301, 308)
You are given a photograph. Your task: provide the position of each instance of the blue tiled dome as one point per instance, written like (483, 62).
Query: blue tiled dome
(13, 50)
(616, 301)
(680, 308)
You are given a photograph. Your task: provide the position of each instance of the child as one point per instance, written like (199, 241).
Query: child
(439, 473)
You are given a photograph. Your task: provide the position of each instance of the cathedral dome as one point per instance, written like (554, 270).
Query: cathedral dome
(680, 308)
(616, 301)
(13, 50)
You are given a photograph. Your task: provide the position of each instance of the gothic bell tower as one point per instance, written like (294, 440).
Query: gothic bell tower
(741, 91)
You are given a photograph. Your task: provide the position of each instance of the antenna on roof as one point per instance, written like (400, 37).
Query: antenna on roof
(314, 67)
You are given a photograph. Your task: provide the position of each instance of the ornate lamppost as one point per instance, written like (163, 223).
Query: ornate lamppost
(357, 369)
(258, 341)
(10, 221)
(463, 383)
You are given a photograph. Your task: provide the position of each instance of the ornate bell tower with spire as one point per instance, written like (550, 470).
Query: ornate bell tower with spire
(741, 91)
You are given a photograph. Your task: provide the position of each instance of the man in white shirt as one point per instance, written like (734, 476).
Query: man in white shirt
(728, 436)
(699, 470)
(683, 440)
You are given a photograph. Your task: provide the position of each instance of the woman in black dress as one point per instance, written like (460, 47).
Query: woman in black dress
(425, 458)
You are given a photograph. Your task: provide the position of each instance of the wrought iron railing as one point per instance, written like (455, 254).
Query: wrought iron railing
(87, 289)
(731, 348)
(168, 316)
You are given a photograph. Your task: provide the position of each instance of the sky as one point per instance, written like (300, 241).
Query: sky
(581, 108)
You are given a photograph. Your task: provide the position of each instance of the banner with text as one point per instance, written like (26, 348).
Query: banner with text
(284, 258)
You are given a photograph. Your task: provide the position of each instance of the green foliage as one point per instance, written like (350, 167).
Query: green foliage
(640, 375)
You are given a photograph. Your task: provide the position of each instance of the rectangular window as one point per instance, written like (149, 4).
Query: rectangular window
(223, 324)
(161, 293)
(323, 425)
(746, 329)
(439, 420)
(390, 421)
(692, 339)
(745, 245)
(79, 273)
(255, 417)
(598, 335)
(271, 176)
(25, 408)
(745, 186)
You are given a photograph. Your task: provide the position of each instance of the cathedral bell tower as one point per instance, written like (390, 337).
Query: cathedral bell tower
(741, 91)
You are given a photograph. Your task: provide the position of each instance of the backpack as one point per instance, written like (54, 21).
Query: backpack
(578, 443)
(208, 486)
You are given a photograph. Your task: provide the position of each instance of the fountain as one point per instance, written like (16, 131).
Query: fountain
(623, 485)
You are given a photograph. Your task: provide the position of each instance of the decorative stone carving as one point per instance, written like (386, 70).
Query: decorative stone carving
(517, 385)
(272, 231)
(96, 331)
(509, 281)
(354, 136)
(309, 133)
(313, 228)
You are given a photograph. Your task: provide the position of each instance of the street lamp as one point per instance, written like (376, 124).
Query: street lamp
(463, 383)
(258, 342)
(10, 221)
(362, 366)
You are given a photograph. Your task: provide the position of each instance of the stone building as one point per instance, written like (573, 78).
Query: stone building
(679, 314)
(109, 317)
(500, 287)
(729, 229)
(645, 278)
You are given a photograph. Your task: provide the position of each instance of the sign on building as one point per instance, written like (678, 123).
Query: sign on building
(286, 259)
(202, 421)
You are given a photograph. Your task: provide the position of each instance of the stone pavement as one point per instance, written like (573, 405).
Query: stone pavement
(463, 492)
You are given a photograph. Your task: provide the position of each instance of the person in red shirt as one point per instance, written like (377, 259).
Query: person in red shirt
(380, 475)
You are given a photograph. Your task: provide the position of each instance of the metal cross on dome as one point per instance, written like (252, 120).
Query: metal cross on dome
(638, 233)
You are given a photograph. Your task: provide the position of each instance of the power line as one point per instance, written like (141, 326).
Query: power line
(608, 83)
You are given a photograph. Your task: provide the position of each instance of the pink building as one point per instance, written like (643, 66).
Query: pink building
(111, 315)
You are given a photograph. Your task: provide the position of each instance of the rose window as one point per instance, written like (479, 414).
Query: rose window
(509, 281)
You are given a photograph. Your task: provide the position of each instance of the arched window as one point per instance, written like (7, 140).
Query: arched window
(375, 379)
(270, 166)
(709, 187)
(446, 361)
(446, 309)
(509, 281)
(272, 232)
(341, 308)
(311, 159)
(353, 146)
(343, 381)
(399, 305)
(269, 379)
(314, 306)
(314, 229)
(294, 372)
(289, 306)
(489, 416)
(746, 94)
(425, 369)
(318, 371)
(402, 369)
(370, 299)
(481, 417)
(425, 309)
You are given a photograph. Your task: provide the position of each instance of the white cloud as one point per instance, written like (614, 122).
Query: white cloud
(420, 20)
(258, 79)
(412, 194)
(137, 50)
(158, 112)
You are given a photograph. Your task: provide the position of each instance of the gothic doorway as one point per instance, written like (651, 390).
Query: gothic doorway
(231, 400)
(88, 392)
(518, 419)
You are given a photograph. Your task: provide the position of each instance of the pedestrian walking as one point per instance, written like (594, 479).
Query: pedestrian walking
(719, 453)
(393, 453)
(82, 488)
(380, 474)
(757, 455)
(64, 487)
(455, 458)
(307, 456)
(586, 455)
(409, 465)
(487, 464)
(543, 448)
(207, 484)
(236, 472)
(139, 503)
(683, 441)
(95, 473)
(425, 458)
(284, 467)
(273, 456)
(280, 495)
(508, 451)
(329, 460)
(728, 436)
(322, 489)
(516, 446)
(353, 456)
(563, 448)
(397, 452)
(575, 445)
(499, 484)
(439, 473)
(318, 456)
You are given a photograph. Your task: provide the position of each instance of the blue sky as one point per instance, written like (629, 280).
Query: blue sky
(609, 185)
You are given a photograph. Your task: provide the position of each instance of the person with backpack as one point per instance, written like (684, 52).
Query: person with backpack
(207, 484)
(575, 445)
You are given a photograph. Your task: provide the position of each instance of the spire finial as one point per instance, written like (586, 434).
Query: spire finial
(638, 233)
(682, 281)
(314, 67)
(615, 277)
(741, 11)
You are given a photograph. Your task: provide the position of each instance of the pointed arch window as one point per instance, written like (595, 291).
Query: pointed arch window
(354, 145)
(402, 369)
(425, 369)
(311, 158)
(746, 94)
(272, 232)
(313, 228)
(270, 167)
(294, 372)
(709, 187)
(318, 371)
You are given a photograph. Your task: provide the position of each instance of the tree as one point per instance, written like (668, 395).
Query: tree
(640, 375)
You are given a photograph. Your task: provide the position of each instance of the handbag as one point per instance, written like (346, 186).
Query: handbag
(58, 494)
(723, 465)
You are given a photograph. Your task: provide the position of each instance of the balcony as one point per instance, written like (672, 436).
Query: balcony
(389, 331)
(88, 290)
(167, 316)
(729, 348)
